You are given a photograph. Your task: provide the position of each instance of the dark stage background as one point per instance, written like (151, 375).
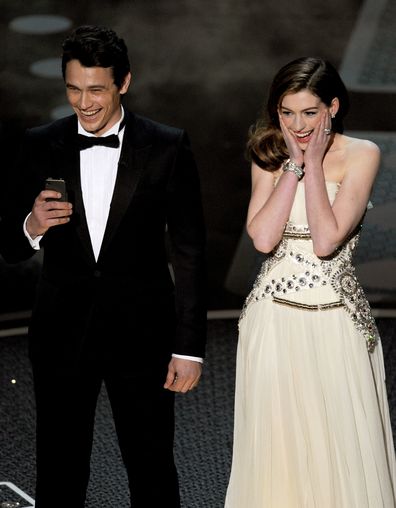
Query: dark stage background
(206, 65)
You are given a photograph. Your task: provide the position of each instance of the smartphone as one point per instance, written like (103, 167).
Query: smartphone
(58, 185)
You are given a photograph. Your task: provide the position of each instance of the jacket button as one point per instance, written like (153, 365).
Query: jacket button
(97, 273)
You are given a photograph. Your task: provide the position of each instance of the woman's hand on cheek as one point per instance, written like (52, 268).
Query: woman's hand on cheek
(295, 152)
(319, 142)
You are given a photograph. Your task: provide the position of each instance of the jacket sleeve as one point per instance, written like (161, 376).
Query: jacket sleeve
(186, 231)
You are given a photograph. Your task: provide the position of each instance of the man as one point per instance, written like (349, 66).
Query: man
(106, 308)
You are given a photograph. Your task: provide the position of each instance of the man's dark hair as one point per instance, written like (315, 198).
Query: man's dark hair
(97, 46)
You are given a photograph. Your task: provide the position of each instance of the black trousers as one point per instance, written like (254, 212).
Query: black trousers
(143, 413)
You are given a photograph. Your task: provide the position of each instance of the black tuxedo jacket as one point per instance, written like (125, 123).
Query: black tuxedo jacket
(126, 303)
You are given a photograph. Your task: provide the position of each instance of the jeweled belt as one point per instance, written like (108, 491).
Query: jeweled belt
(339, 273)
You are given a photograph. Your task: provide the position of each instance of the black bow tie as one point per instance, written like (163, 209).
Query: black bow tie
(85, 142)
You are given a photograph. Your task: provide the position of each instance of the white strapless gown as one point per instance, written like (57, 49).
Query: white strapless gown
(312, 426)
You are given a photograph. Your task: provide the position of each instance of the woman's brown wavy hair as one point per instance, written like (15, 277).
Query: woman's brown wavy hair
(266, 146)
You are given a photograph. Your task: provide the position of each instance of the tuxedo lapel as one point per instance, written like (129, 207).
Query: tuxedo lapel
(134, 154)
(130, 167)
(67, 162)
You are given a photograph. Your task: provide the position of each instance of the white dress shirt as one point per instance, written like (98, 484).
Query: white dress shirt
(98, 173)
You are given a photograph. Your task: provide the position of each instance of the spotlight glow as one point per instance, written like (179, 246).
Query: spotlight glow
(40, 25)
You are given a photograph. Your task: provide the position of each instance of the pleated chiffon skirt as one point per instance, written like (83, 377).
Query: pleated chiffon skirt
(312, 426)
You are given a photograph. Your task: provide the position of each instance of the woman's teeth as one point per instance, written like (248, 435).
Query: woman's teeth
(304, 135)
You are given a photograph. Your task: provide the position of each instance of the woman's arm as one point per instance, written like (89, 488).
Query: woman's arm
(269, 207)
(330, 224)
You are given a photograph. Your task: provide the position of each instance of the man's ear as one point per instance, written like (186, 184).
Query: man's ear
(126, 83)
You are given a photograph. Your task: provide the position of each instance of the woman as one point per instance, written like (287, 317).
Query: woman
(312, 425)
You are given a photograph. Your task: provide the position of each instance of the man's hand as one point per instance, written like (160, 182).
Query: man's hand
(46, 214)
(183, 375)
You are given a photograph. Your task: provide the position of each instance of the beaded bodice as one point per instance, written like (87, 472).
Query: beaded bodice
(293, 275)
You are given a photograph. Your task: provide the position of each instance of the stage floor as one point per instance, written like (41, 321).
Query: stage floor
(203, 424)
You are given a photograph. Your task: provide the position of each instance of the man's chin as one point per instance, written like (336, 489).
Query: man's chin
(93, 127)
(89, 127)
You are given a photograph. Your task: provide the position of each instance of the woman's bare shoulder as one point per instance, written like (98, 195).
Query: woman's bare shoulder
(362, 158)
(357, 146)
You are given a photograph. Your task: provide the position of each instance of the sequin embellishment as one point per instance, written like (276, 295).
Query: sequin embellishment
(313, 272)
